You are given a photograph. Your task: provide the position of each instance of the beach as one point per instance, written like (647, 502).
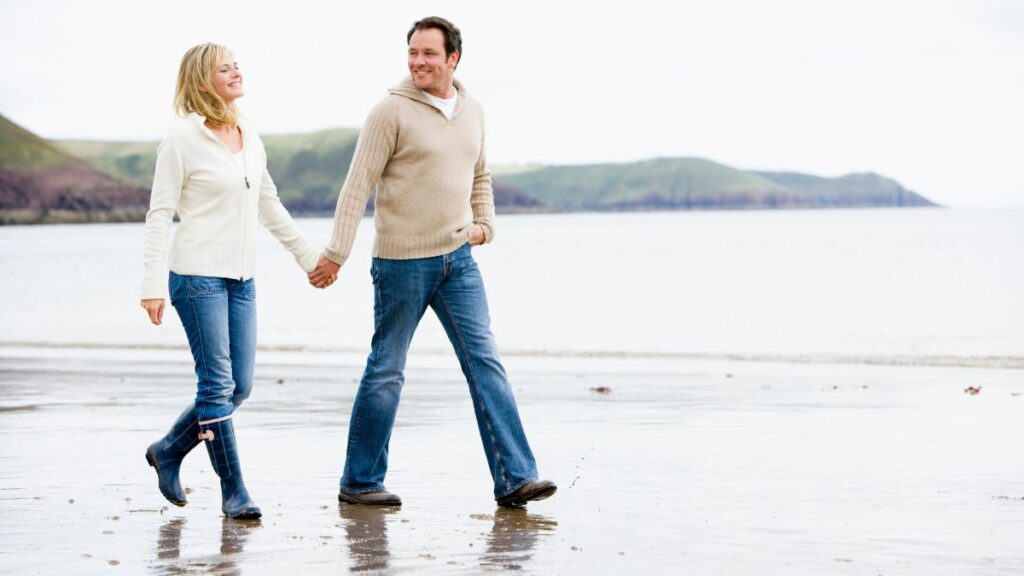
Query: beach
(663, 467)
(777, 392)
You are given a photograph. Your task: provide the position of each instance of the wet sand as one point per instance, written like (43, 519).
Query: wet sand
(663, 467)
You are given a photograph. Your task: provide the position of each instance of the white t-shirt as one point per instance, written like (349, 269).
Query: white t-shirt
(447, 106)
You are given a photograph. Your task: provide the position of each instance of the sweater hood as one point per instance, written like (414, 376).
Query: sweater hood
(408, 89)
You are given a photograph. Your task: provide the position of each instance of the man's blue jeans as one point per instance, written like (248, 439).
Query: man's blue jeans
(450, 284)
(219, 316)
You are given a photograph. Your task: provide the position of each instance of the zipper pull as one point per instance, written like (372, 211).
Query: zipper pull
(247, 183)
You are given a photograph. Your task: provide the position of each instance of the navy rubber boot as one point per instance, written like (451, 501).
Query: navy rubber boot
(166, 454)
(220, 443)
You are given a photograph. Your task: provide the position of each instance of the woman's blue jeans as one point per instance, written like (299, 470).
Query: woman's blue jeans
(219, 316)
(403, 289)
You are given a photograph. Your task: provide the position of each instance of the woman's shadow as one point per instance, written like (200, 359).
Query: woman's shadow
(233, 536)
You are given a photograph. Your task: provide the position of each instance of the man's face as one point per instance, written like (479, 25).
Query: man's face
(431, 70)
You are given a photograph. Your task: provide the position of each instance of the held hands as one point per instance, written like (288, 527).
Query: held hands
(325, 273)
(155, 309)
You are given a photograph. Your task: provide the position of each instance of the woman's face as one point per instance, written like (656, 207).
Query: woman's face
(226, 79)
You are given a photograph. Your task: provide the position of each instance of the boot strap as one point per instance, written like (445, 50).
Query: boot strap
(208, 434)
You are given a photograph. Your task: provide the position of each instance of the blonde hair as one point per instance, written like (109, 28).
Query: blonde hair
(194, 91)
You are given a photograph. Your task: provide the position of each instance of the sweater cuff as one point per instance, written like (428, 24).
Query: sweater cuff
(152, 289)
(334, 257)
(485, 225)
(308, 259)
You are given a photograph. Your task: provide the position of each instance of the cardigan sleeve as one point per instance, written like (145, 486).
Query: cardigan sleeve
(169, 179)
(279, 223)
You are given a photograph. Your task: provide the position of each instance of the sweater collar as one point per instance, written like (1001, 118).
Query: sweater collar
(200, 122)
(408, 89)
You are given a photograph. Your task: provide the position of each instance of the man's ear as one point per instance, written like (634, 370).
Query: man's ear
(456, 56)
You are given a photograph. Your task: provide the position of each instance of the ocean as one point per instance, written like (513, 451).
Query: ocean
(913, 286)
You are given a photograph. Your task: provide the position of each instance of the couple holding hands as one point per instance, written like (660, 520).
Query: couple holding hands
(422, 148)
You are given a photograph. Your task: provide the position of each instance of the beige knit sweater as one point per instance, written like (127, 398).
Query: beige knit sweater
(431, 177)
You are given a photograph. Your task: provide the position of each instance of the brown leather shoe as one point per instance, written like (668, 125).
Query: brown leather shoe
(378, 498)
(535, 490)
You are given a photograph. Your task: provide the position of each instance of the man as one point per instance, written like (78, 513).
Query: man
(423, 149)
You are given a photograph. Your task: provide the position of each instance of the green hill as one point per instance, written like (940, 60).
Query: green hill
(859, 189)
(695, 183)
(24, 151)
(41, 183)
(664, 182)
(309, 170)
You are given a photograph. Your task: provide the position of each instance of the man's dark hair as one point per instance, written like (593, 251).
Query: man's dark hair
(452, 35)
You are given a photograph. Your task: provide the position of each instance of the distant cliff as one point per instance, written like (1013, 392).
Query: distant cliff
(78, 180)
(699, 184)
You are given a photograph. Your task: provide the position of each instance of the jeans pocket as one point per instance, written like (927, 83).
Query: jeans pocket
(199, 286)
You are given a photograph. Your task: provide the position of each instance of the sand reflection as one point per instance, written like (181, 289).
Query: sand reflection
(513, 537)
(233, 536)
(366, 530)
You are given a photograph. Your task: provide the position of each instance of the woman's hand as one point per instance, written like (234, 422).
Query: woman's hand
(476, 237)
(155, 308)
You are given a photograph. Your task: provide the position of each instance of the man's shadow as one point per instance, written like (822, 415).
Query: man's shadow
(233, 536)
(366, 530)
(514, 536)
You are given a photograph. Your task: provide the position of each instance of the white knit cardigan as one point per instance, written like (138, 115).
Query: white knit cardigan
(218, 203)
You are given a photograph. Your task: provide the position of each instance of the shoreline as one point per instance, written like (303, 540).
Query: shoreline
(663, 467)
(312, 352)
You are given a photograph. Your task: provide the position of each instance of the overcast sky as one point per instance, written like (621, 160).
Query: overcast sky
(928, 92)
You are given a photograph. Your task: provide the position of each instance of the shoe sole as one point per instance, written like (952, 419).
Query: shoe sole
(245, 515)
(522, 500)
(344, 499)
(152, 462)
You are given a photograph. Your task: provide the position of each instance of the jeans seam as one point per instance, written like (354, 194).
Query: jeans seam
(202, 347)
(475, 382)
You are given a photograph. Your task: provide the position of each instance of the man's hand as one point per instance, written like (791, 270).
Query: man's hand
(325, 273)
(476, 236)
(155, 309)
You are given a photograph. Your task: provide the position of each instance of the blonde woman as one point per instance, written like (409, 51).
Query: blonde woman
(211, 171)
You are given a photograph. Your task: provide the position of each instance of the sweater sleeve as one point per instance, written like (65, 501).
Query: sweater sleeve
(279, 223)
(376, 144)
(169, 179)
(482, 196)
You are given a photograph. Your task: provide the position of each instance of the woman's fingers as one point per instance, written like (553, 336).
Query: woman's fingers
(154, 309)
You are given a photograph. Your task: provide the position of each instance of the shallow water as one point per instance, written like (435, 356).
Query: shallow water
(921, 286)
(682, 467)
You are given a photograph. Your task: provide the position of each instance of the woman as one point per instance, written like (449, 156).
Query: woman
(211, 170)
